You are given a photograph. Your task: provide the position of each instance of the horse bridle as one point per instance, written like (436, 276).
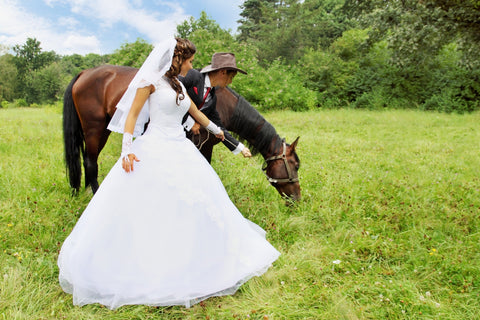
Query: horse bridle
(283, 157)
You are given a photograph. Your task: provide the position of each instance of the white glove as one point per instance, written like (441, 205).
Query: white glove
(126, 144)
(213, 128)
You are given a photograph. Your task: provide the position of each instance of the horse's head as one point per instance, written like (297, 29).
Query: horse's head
(282, 171)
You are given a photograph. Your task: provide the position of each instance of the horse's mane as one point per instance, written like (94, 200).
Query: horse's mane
(252, 127)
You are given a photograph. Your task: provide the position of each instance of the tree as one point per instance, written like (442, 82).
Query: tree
(287, 28)
(464, 14)
(30, 56)
(8, 70)
(46, 85)
(252, 13)
(92, 60)
(73, 64)
(208, 37)
(131, 54)
(3, 49)
(423, 26)
(28, 59)
(191, 25)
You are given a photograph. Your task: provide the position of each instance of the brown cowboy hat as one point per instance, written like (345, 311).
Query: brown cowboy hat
(222, 60)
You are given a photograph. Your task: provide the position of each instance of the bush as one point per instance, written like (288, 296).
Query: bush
(373, 100)
(448, 102)
(20, 103)
(454, 89)
(328, 75)
(277, 87)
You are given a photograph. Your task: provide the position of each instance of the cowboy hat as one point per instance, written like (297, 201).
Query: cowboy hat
(222, 60)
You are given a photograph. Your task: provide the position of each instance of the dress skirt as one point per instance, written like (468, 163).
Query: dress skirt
(165, 234)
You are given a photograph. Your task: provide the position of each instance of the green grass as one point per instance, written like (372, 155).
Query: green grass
(392, 197)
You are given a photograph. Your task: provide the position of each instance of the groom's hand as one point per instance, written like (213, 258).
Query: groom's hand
(246, 153)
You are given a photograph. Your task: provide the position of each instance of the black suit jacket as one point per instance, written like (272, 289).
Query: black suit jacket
(194, 82)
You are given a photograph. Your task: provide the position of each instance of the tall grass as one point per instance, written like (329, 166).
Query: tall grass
(388, 227)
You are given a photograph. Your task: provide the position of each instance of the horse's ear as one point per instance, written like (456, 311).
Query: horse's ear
(294, 144)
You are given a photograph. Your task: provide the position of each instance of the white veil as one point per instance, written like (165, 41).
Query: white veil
(155, 66)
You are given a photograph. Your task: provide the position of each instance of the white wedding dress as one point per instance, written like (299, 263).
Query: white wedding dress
(166, 233)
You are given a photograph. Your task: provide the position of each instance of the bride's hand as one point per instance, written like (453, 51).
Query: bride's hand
(127, 162)
(196, 128)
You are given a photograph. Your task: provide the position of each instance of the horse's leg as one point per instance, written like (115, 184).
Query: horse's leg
(207, 152)
(95, 140)
(103, 139)
(93, 161)
(91, 169)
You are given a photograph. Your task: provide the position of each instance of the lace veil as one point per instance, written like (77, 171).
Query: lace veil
(155, 66)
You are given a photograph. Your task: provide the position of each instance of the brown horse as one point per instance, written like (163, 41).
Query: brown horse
(89, 104)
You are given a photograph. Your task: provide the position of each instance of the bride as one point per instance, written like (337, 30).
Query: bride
(161, 229)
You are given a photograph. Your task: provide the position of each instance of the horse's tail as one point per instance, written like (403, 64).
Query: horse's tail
(73, 138)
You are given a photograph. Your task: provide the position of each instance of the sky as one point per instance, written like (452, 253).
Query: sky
(101, 26)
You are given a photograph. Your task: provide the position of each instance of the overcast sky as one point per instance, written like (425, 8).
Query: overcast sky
(101, 26)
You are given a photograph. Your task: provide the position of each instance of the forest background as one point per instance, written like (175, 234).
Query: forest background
(303, 55)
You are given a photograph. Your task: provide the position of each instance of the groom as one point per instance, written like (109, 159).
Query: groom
(200, 87)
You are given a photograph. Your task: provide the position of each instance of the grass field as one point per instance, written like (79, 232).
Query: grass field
(388, 227)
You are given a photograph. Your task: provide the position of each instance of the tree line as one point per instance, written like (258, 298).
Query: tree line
(301, 55)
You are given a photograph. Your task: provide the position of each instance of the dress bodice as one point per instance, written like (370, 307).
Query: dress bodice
(165, 113)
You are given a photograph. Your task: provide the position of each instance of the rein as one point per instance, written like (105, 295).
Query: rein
(200, 143)
(283, 157)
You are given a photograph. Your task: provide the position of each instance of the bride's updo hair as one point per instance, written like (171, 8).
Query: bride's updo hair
(184, 50)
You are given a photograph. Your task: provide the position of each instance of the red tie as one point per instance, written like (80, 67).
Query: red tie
(205, 98)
